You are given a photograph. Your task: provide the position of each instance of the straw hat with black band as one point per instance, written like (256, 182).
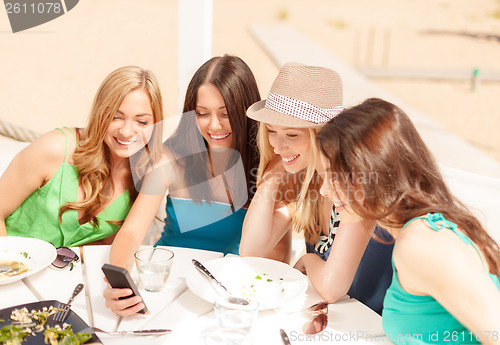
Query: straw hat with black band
(300, 97)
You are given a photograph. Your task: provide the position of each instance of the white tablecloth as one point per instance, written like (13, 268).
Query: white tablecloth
(177, 308)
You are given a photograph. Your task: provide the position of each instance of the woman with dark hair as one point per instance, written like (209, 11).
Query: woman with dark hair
(445, 287)
(212, 154)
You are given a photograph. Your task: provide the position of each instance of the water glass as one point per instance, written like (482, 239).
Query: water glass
(153, 265)
(235, 321)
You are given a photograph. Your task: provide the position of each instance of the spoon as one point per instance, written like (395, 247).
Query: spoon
(5, 269)
(221, 289)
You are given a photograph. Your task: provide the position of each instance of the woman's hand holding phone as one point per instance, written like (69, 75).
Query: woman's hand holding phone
(122, 295)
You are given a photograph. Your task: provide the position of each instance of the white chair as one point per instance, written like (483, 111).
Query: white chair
(8, 150)
(480, 193)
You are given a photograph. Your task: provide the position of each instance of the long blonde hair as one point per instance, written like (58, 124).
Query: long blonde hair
(300, 191)
(92, 156)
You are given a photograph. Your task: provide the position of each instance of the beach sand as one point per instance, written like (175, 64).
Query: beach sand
(50, 73)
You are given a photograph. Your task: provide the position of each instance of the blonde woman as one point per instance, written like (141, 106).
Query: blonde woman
(301, 100)
(74, 186)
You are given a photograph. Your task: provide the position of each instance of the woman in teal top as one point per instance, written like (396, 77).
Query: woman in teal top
(212, 154)
(215, 226)
(417, 319)
(74, 186)
(445, 287)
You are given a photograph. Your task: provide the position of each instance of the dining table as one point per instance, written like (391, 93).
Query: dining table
(177, 308)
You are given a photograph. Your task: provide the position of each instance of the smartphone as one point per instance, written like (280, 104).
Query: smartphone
(119, 277)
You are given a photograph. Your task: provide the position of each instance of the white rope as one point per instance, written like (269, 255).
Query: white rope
(17, 133)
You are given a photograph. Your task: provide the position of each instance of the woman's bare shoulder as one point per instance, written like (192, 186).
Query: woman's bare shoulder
(421, 247)
(38, 162)
(50, 147)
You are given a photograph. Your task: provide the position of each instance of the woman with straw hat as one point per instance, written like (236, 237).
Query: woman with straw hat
(302, 99)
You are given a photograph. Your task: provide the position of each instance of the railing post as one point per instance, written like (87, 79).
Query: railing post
(195, 41)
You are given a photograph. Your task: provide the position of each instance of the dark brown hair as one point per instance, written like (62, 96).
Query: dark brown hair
(389, 174)
(238, 87)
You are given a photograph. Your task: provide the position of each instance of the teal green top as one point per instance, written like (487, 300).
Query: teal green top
(38, 215)
(413, 319)
(208, 226)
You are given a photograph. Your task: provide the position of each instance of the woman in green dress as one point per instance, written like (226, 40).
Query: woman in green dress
(74, 186)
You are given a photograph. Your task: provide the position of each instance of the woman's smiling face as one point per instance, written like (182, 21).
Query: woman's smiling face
(212, 116)
(130, 128)
(292, 144)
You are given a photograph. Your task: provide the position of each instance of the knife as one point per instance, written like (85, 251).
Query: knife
(138, 332)
(284, 337)
(221, 289)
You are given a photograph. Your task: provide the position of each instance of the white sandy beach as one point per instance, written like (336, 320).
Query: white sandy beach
(50, 73)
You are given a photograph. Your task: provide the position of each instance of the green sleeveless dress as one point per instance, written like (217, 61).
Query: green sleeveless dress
(414, 319)
(38, 215)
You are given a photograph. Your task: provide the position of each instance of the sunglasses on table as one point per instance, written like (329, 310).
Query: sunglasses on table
(65, 257)
(320, 319)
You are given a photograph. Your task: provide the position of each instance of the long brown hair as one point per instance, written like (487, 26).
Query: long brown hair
(238, 87)
(389, 174)
(92, 156)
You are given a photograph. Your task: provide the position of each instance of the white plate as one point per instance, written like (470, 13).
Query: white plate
(34, 253)
(279, 283)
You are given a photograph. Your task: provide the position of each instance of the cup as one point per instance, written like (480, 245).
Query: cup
(153, 265)
(235, 320)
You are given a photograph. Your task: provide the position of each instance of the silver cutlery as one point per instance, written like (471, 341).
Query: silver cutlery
(136, 333)
(219, 288)
(64, 308)
(284, 337)
(5, 269)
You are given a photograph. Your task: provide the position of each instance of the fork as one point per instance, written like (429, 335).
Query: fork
(64, 308)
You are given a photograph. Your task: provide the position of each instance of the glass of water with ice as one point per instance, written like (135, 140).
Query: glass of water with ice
(153, 265)
(235, 321)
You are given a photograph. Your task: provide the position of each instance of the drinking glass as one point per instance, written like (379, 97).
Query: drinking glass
(153, 265)
(235, 321)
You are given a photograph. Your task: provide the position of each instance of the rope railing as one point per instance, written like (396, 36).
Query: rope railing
(17, 133)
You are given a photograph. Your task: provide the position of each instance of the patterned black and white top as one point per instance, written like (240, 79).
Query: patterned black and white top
(325, 242)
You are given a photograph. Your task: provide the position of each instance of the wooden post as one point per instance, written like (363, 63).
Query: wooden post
(357, 48)
(195, 41)
(387, 48)
(369, 49)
